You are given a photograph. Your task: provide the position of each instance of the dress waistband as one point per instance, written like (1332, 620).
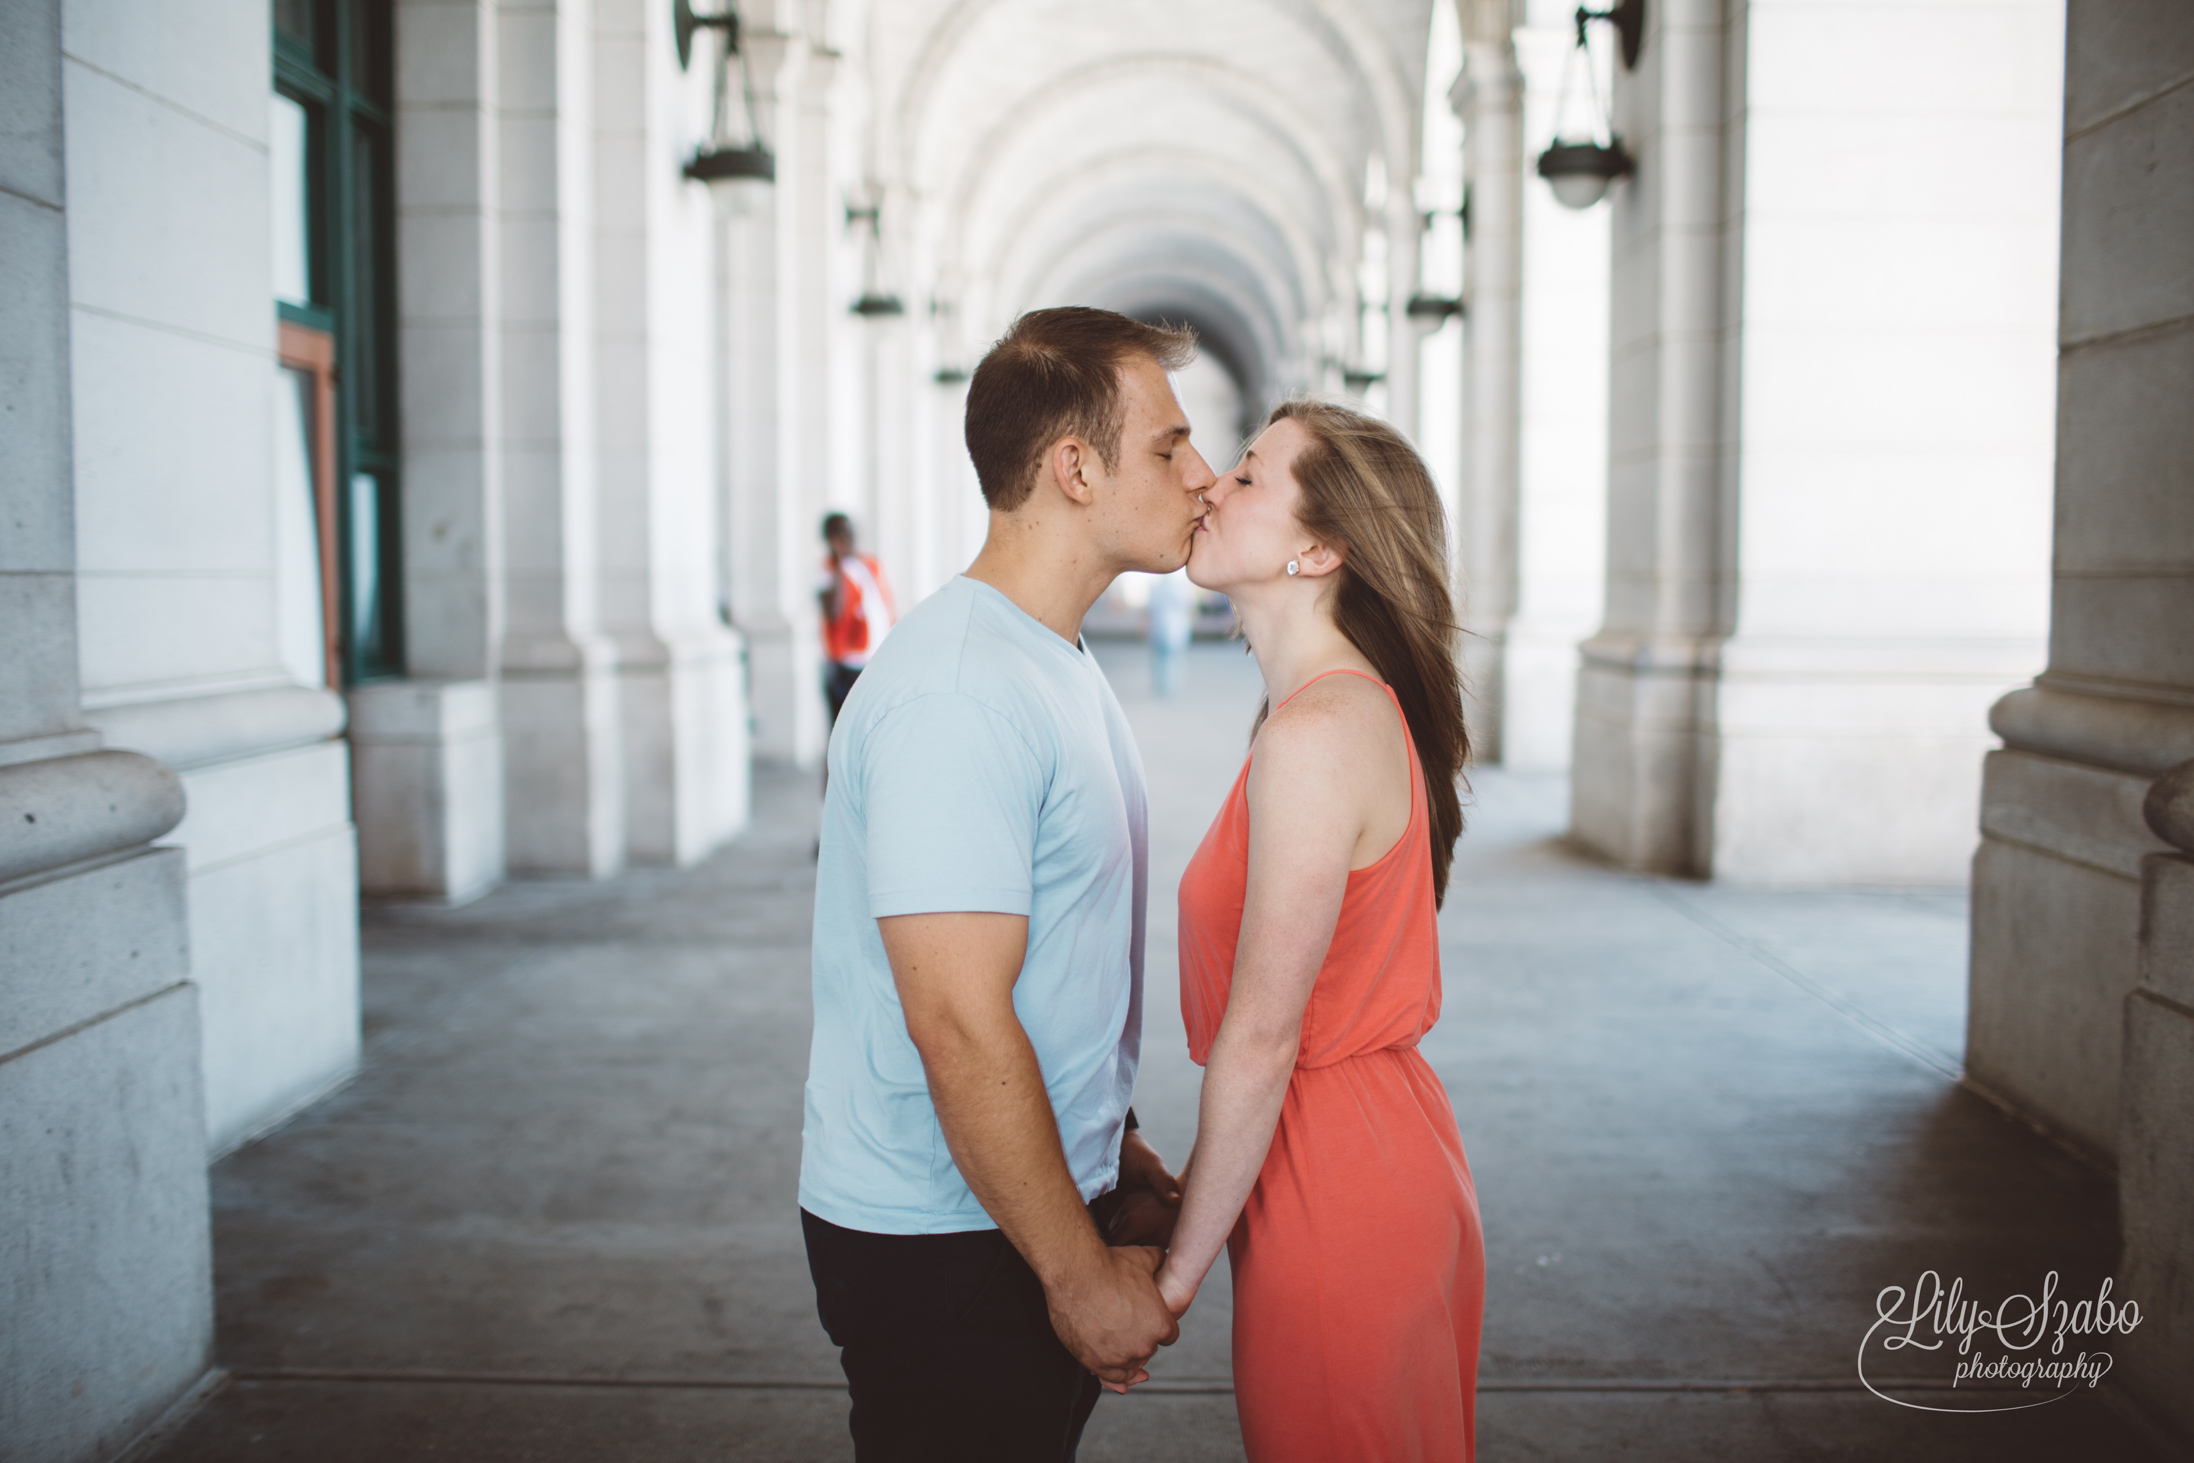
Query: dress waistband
(1399, 1049)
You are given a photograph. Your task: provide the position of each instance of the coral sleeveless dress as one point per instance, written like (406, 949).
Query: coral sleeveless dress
(1359, 1268)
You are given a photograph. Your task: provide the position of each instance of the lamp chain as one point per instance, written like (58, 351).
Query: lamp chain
(1603, 120)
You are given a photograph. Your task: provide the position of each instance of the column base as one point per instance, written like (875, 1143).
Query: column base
(274, 933)
(1635, 774)
(2057, 901)
(427, 769)
(2155, 1182)
(683, 703)
(1485, 692)
(1539, 695)
(563, 767)
(102, 1158)
(273, 863)
(785, 693)
(1851, 761)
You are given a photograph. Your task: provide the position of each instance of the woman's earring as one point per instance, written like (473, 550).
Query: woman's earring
(1293, 567)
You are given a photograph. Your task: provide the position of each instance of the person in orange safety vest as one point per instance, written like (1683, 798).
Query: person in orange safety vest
(857, 610)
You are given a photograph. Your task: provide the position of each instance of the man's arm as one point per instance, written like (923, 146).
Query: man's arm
(955, 975)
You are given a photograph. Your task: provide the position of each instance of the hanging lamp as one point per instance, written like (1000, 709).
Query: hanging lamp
(724, 159)
(1580, 170)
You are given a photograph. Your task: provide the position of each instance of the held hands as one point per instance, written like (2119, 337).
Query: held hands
(1174, 1289)
(1115, 1326)
(1111, 1316)
(1149, 1197)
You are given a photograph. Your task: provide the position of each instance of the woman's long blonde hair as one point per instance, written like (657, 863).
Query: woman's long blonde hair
(1366, 491)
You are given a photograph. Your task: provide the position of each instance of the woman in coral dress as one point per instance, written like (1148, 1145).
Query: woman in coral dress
(1327, 1159)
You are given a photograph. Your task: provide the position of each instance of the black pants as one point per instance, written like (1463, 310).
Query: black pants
(948, 1348)
(838, 685)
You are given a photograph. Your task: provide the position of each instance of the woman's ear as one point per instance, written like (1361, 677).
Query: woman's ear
(1320, 559)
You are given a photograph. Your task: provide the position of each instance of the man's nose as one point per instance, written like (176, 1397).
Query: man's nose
(1200, 475)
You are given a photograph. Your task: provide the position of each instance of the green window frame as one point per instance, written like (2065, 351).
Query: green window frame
(336, 59)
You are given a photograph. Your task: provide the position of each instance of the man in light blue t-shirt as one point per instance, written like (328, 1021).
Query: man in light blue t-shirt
(979, 937)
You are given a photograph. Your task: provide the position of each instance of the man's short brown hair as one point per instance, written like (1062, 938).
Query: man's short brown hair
(1056, 374)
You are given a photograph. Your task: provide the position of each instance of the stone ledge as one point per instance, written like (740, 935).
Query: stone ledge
(2143, 737)
(65, 810)
(2070, 810)
(423, 711)
(2167, 927)
(197, 730)
(2169, 806)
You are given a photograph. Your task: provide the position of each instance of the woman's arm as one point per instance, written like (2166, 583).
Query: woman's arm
(1310, 790)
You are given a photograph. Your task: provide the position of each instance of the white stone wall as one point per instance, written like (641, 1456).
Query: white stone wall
(1829, 436)
(1891, 432)
(172, 349)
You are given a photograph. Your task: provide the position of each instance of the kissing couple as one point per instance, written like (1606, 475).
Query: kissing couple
(992, 1241)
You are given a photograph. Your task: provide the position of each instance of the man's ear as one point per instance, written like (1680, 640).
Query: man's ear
(1073, 463)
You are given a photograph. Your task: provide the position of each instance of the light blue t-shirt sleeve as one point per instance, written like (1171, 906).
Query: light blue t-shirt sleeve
(952, 791)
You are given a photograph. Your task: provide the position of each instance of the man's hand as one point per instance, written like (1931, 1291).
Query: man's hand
(1150, 1197)
(1111, 1316)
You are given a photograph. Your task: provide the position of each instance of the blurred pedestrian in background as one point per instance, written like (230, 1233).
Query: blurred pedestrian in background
(1172, 617)
(857, 610)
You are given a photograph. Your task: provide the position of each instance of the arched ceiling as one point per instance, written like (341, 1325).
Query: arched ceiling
(1198, 160)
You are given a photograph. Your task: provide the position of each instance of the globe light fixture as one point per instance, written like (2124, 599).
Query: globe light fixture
(1580, 169)
(1579, 172)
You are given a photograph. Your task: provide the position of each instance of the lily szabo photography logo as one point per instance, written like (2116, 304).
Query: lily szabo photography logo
(2039, 1348)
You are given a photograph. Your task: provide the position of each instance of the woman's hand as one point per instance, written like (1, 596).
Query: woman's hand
(1177, 1293)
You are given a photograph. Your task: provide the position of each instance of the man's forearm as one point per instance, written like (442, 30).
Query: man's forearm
(989, 1093)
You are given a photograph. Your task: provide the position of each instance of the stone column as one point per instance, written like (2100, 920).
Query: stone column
(428, 750)
(683, 718)
(186, 630)
(1404, 359)
(2156, 1116)
(108, 1272)
(770, 573)
(563, 766)
(1561, 529)
(1488, 96)
(1814, 339)
(2057, 884)
(1641, 686)
(1888, 369)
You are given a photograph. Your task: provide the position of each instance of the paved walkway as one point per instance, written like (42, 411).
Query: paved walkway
(553, 1219)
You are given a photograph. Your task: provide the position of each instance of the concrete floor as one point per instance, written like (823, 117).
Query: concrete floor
(554, 1218)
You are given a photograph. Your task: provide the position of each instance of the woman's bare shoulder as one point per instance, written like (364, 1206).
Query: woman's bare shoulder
(1337, 715)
